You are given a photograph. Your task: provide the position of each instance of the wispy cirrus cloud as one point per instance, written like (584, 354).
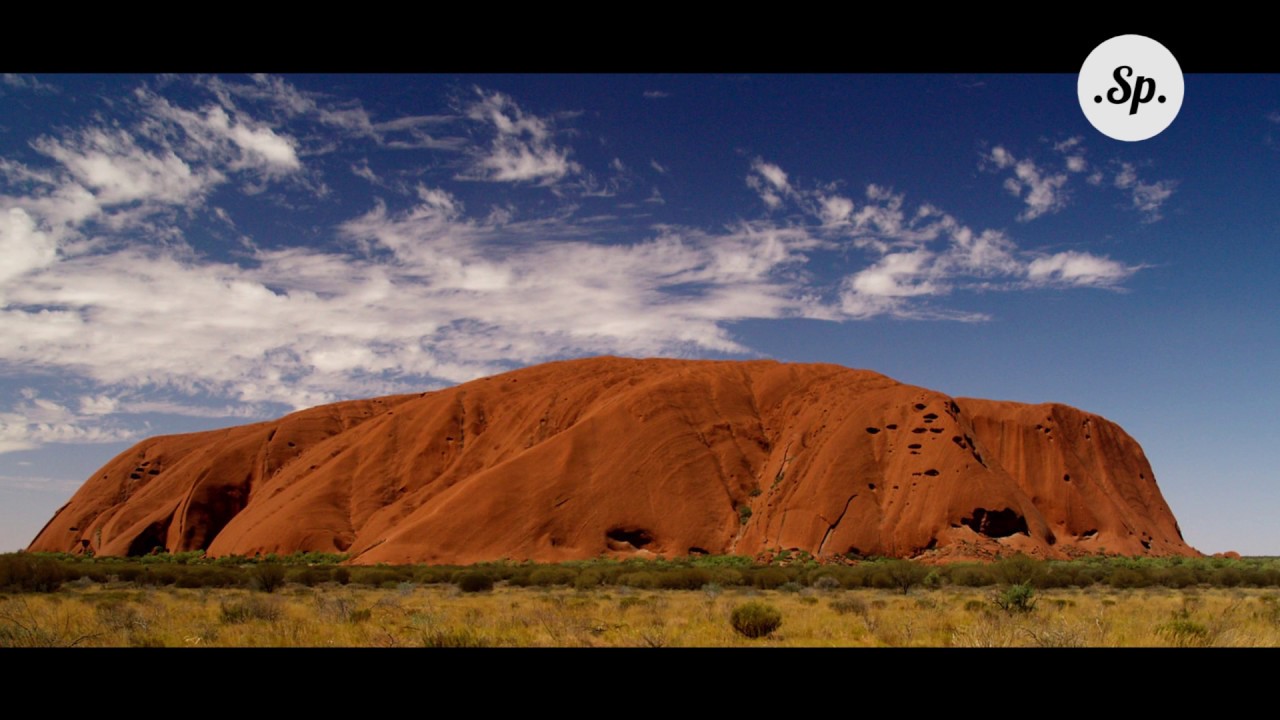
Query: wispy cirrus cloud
(34, 421)
(1043, 192)
(924, 254)
(1147, 197)
(523, 148)
(1047, 192)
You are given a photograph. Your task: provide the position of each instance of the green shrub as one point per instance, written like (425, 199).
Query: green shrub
(904, 574)
(1019, 570)
(744, 514)
(309, 576)
(1019, 598)
(972, 576)
(684, 579)
(645, 580)
(588, 579)
(267, 577)
(548, 576)
(1184, 632)
(19, 572)
(755, 619)
(472, 582)
(1124, 577)
(770, 578)
(727, 576)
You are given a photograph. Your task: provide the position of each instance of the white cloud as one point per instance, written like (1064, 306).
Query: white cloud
(22, 246)
(927, 253)
(1126, 177)
(37, 421)
(522, 150)
(98, 405)
(362, 170)
(1076, 268)
(770, 183)
(1073, 150)
(1147, 198)
(1068, 145)
(836, 209)
(27, 82)
(1042, 192)
(456, 298)
(655, 94)
(118, 171)
(658, 166)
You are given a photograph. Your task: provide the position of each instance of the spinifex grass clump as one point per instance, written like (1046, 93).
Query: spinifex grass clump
(755, 619)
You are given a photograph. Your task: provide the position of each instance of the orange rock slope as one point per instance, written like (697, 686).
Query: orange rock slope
(618, 457)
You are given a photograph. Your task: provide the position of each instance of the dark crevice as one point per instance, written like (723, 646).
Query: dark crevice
(635, 537)
(154, 536)
(832, 527)
(996, 523)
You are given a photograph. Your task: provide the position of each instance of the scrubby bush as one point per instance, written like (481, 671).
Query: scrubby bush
(1185, 632)
(1124, 577)
(548, 576)
(684, 579)
(972, 576)
(644, 580)
(309, 576)
(267, 577)
(727, 576)
(770, 578)
(1019, 570)
(755, 619)
(472, 582)
(19, 572)
(1019, 598)
(588, 579)
(826, 583)
(904, 574)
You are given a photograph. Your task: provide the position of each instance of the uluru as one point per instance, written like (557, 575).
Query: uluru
(624, 457)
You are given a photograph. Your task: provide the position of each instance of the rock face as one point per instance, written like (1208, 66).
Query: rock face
(622, 457)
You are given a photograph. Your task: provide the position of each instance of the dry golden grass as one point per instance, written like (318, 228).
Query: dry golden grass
(120, 615)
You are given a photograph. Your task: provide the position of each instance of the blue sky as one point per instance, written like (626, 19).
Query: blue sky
(186, 252)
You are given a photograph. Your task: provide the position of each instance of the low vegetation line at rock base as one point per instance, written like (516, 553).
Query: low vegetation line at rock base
(47, 572)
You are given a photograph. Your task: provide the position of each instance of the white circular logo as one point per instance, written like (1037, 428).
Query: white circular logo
(1130, 88)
